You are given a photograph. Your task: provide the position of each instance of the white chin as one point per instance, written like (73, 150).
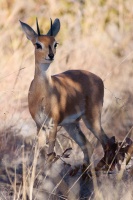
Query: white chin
(48, 61)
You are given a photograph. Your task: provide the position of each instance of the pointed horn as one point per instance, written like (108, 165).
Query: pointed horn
(51, 28)
(38, 30)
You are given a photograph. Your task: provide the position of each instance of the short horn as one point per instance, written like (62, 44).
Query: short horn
(38, 30)
(51, 28)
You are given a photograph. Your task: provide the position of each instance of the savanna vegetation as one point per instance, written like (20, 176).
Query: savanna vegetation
(95, 36)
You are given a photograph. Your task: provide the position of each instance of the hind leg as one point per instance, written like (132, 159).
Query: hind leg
(75, 132)
(92, 120)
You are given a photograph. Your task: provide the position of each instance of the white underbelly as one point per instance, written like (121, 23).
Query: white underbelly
(71, 118)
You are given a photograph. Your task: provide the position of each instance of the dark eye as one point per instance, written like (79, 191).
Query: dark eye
(55, 45)
(38, 46)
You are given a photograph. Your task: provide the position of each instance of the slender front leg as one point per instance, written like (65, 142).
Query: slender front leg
(41, 138)
(52, 139)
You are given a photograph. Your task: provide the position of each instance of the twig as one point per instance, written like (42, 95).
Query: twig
(119, 148)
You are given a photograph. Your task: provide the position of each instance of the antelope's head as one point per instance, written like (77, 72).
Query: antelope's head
(45, 45)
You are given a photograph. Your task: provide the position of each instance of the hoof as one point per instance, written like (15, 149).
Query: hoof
(86, 172)
(74, 171)
(51, 157)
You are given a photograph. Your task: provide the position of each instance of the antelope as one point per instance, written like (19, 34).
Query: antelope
(63, 99)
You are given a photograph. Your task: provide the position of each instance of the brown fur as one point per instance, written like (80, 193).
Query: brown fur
(60, 95)
(64, 99)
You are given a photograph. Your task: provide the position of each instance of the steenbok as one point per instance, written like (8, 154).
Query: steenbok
(65, 98)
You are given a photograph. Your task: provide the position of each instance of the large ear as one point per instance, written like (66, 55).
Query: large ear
(30, 33)
(55, 27)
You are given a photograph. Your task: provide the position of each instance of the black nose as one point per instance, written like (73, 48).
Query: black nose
(51, 56)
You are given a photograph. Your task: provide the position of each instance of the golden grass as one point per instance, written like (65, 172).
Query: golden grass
(95, 36)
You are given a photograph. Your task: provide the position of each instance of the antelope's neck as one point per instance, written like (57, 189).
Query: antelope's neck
(42, 82)
(42, 74)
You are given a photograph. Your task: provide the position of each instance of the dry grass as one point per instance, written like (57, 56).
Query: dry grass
(96, 36)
